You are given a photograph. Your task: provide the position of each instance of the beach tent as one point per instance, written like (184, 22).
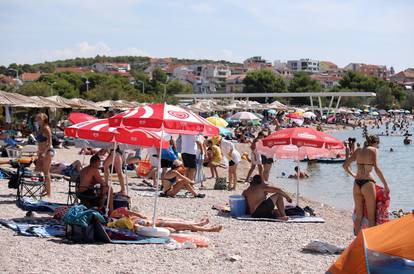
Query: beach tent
(385, 249)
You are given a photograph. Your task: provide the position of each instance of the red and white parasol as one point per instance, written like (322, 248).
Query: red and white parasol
(298, 143)
(301, 136)
(99, 130)
(171, 119)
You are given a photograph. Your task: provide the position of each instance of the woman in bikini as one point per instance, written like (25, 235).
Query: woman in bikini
(45, 151)
(173, 181)
(364, 186)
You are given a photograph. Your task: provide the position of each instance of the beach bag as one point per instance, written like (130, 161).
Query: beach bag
(121, 201)
(220, 184)
(80, 234)
(14, 181)
(144, 167)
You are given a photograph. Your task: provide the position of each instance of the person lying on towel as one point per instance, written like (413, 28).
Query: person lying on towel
(89, 178)
(173, 225)
(261, 206)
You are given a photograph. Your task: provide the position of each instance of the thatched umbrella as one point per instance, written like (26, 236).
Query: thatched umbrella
(85, 104)
(4, 98)
(47, 103)
(277, 106)
(63, 100)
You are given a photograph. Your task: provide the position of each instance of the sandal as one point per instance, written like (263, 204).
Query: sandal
(200, 195)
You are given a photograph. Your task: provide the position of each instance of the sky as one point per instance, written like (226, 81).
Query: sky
(341, 31)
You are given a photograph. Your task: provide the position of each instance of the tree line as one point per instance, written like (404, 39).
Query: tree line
(388, 94)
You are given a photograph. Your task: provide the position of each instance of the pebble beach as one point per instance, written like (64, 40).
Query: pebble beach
(241, 247)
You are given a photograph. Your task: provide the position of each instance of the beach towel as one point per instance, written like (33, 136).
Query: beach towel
(181, 194)
(29, 204)
(292, 219)
(42, 227)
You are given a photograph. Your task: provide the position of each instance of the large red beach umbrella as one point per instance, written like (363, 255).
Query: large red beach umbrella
(171, 119)
(79, 117)
(302, 136)
(300, 142)
(99, 130)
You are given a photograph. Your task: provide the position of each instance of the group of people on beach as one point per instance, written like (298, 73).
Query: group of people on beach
(182, 163)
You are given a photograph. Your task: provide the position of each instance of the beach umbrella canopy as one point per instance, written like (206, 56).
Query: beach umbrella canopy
(295, 115)
(18, 100)
(302, 136)
(309, 115)
(277, 106)
(374, 113)
(382, 111)
(386, 248)
(99, 130)
(300, 153)
(271, 111)
(244, 116)
(85, 104)
(65, 101)
(78, 117)
(217, 121)
(171, 119)
(225, 132)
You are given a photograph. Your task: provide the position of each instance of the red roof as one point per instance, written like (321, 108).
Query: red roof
(321, 77)
(30, 76)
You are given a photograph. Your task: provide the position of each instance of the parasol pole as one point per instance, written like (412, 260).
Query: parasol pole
(154, 213)
(297, 184)
(110, 177)
(125, 169)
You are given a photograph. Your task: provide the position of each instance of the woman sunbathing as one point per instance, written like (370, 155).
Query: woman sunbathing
(173, 225)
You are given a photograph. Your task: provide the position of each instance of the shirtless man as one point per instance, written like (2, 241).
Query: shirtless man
(259, 205)
(89, 177)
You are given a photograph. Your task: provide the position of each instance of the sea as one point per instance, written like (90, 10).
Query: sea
(329, 184)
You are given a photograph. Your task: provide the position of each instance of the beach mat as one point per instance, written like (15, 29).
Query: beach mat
(29, 204)
(102, 235)
(292, 219)
(43, 228)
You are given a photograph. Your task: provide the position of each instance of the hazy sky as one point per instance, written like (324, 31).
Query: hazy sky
(342, 31)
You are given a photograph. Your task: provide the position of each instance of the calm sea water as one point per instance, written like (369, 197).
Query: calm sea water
(329, 184)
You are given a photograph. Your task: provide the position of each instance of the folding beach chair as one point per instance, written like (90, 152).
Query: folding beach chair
(30, 184)
(73, 183)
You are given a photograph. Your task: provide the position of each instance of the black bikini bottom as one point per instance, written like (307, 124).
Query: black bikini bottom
(361, 182)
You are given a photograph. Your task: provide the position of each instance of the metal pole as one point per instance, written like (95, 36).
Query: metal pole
(330, 105)
(297, 184)
(320, 106)
(154, 213)
(125, 169)
(311, 103)
(110, 177)
(337, 105)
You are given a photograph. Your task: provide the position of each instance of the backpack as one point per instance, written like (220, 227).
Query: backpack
(220, 184)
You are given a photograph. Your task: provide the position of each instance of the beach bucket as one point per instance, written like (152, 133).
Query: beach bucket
(237, 205)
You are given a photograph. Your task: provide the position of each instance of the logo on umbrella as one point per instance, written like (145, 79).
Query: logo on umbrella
(95, 134)
(306, 135)
(179, 114)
